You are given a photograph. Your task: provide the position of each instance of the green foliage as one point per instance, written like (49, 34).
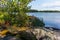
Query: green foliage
(2, 15)
(15, 11)
(36, 22)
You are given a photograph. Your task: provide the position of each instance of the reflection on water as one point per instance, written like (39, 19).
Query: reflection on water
(50, 19)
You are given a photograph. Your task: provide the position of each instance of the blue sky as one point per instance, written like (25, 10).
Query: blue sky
(45, 4)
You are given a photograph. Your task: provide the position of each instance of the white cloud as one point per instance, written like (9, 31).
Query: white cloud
(51, 4)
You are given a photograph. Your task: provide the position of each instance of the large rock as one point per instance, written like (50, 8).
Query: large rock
(43, 34)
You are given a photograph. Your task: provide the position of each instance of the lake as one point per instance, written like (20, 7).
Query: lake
(51, 19)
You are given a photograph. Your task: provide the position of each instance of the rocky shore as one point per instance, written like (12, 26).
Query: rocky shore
(34, 34)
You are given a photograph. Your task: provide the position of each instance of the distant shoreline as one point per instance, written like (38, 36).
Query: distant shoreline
(43, 11)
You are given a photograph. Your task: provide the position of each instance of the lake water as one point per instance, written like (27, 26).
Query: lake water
(51, 19)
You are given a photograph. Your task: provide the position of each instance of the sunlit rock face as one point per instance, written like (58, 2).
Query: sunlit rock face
(42, 34)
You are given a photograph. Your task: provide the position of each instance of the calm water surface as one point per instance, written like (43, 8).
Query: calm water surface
(50, 19)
